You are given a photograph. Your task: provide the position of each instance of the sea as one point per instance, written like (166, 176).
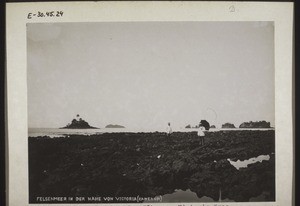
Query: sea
(56, 132)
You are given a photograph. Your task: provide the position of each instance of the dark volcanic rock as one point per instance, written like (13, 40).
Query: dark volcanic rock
(252, 181)
(260, 124)
(151, 164)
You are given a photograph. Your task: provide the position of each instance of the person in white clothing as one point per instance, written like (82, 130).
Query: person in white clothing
(169, 129)
(201, 133)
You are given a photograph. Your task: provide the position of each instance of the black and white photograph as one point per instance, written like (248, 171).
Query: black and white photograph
(149, 103)
(151, 112)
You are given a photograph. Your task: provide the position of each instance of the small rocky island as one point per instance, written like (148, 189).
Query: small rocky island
(228, 125)
(78, 123)
(114, 126)
(259, 124)
(202, 122)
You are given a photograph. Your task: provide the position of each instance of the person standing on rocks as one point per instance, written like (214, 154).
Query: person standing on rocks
(201, 133)
(169, 129)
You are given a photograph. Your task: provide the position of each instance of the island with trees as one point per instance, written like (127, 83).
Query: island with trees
(228, 125)
(259, 124)
(78, 123)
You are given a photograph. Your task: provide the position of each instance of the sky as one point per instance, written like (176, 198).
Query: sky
(145, 74)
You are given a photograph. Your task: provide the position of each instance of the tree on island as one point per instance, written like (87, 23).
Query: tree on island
(205, 124)
(78, 124)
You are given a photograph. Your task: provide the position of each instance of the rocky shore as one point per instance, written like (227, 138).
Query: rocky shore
(151, 164)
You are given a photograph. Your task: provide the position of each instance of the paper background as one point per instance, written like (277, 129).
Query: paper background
(17, 135)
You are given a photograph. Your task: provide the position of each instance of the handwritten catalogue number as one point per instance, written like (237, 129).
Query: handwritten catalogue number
(40, 14)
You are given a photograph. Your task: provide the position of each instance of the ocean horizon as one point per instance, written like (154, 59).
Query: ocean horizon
(57, 132)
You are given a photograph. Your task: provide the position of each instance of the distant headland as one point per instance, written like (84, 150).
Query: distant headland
(78, 123)
(228, 125)
(114, 126)
(260, 124)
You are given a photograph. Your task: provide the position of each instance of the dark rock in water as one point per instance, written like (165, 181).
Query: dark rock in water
(78, 124)
(222, 165)
(114, 126)
(228, 125)
(179, 166)
(188, 126)
(260, 124)
(252, 181)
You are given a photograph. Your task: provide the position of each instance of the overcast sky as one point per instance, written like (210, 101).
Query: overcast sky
(145, 74)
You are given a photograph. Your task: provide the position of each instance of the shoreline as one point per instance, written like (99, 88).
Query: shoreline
(53, 132)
